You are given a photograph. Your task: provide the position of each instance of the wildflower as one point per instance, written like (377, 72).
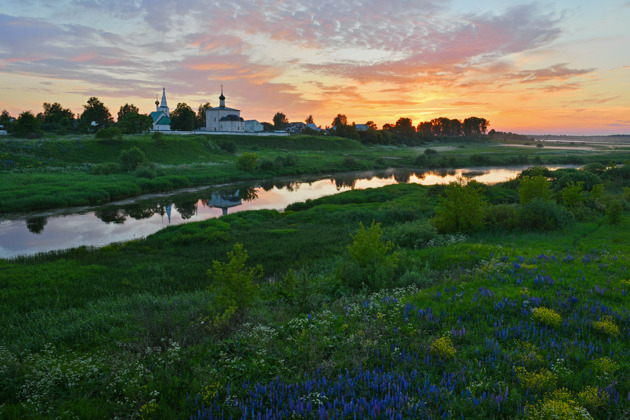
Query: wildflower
(547, 316)
(607, 326)
(536, 381)
(559, 404)
(443, 348)
(593, 397)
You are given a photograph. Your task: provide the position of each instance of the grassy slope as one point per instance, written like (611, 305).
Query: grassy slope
(123, 323)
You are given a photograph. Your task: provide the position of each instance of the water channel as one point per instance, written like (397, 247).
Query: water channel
(28, 234)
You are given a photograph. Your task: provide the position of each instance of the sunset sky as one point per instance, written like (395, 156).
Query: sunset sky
(558, 67)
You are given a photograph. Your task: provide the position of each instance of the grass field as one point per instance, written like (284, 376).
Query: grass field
(492, 324)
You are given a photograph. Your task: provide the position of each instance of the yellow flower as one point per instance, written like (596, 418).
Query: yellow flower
(607, 326)
(443, 348)
(547, 316)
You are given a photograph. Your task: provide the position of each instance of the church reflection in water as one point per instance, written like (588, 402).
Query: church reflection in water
(225, 201)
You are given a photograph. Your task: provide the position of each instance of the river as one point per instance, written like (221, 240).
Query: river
(28, 234)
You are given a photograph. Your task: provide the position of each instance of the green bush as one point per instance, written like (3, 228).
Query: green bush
(502, 217)
(614, 212)
(536, 186)
(145, 172)
(461, 209)
(413, 234)
(371, 262)
(247, 162)
(540, 215)
(108, 134)
(131, 159)
(232, 282)
(228, 146)
(106, 168)
(574, 176)
(158, 138)
(267, 165)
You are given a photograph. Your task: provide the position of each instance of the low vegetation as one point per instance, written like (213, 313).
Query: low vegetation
(359, 304)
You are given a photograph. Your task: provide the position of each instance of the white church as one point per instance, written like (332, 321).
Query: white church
(161, 120)
(223, 118)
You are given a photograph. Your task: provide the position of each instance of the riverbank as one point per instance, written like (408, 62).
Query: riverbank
(74, 171)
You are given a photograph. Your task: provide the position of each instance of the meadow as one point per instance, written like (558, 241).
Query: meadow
(79, 170)
(352, 305)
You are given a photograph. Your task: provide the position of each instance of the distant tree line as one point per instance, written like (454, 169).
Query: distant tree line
(404, 131)
(54, 118)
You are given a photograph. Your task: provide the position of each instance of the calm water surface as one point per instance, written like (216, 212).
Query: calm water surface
(29, 234)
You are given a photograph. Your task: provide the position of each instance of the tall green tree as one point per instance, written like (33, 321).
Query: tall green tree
(55, 113)
(462, 208)
(134, 123)
(5, 118)
(475, 127)
(95, 111)
(280, 120)
(183, 118)
(404, 126)
(340, 119)
(201, 114)
(127, 109)
(25, 126)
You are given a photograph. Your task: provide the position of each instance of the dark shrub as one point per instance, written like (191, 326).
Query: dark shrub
(267, 165)
(539, 215)
(614, 212)
(145, 171)
(106, 168)
(502, 217)
(228, 146)
(414, 234)
(567, 176)
(131, 159)
(108, 134)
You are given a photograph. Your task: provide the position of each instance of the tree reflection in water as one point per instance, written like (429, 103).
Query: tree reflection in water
(186, 209)
(111, 215)
(36, 224)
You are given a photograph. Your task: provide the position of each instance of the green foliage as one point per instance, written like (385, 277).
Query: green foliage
(182, 118)
(95, 112)
(131, 159)
(502, 217)
(372, 263)
(228, 146)
(533, 187)
(109, 134)
(158, 138)
(280, 120)
(462, 209)
(572, 194)
(414, 234)
(614, 212)
(247, 162)
(26, 126)
(539, 215)
(234, 284)
(574, 176)
(134, 123)
(106, 168)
